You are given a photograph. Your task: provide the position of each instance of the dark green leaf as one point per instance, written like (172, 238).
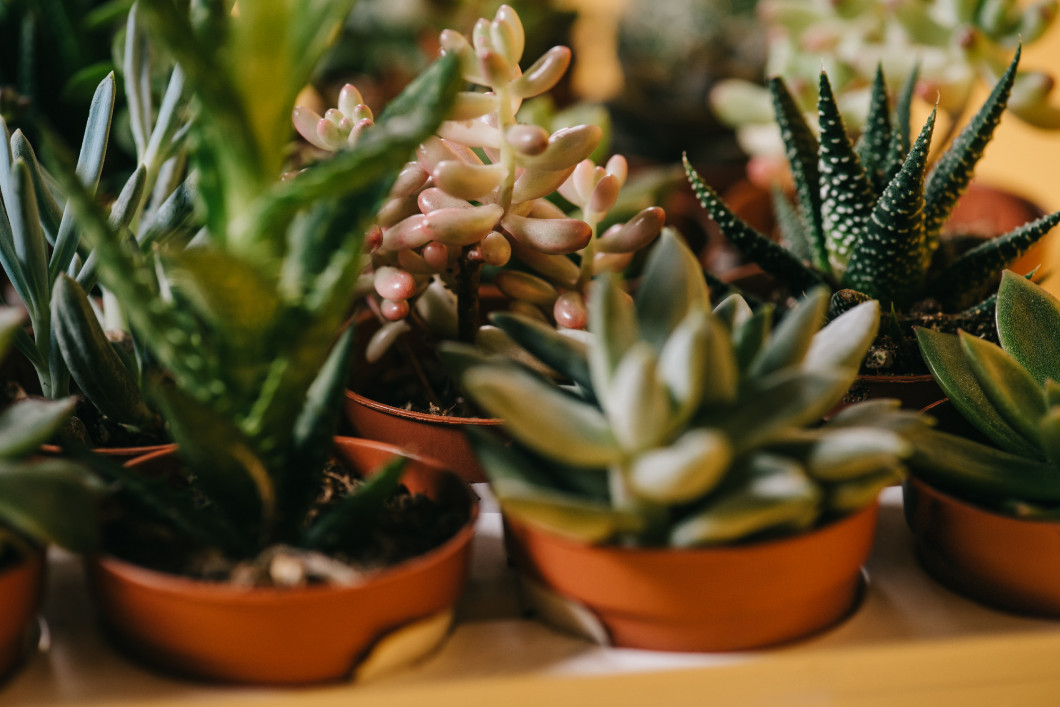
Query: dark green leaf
(50, 501)
(1028, 325)
(353, 514)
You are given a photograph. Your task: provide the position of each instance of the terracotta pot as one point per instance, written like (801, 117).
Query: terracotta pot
(21, 587)
(998, 560)
(285, 636)
(715, 599)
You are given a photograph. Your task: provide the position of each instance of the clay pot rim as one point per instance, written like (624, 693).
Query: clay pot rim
(761, 547)
(217, 592)
(420, 416)
(974, 509)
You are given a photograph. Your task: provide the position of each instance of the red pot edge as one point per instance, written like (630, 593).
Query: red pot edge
(419, 416)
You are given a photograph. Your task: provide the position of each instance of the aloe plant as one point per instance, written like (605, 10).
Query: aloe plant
(478, 194)
(47, 500)
(51, 270)
(870, 215)
(676, 424)
(244, 326)
(1010, 393)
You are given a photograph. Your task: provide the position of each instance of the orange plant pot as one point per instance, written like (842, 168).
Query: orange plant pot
(714, 599)
(284, 636)
(21, 587)
(998, 560)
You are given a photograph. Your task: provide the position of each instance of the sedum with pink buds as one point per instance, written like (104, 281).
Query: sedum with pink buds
(477, 193)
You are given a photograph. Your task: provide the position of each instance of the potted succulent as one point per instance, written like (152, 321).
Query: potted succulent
(42, 501)
(985, 514)
(869, 224)
(477, 198)
(246, 328)
(52, 272)
(673, 474)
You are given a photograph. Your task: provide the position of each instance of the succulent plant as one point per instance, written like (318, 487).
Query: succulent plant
(870, 215)
(245, 326)
(478, 194)
(1011, 394)
(674, 424)
(51, 270)
(955, 46)
(46, 500)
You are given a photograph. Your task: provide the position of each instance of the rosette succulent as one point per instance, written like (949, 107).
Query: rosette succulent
(869, 215)
(1011, 394)
(672, 423)
(479, 193)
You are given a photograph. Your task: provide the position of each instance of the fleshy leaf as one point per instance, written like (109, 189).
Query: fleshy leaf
(1028, 322)
(26, 425)
(672, 285)
(793, 336)
(1012, 391)
(50, 501)
(685, 470)
(844, 341)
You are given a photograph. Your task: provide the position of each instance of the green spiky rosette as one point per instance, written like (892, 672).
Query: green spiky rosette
(869, 219)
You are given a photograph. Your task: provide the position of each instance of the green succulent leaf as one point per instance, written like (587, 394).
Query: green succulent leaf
(848, 496)
(98, 370)
(801, 149)
(770, 493)
(354, 513)
(873, 146)
(772, 257)
(684, 471)
(846, 194)
(1012, 391)
(954, 374)
(733, 311)
(1052, 393)
(50, 213)
(836, 455)
(563, 354)
(844, 341)
(902, 136)
(637, 404)
(793, 336)
(750, 337)
(50, 501)
(26, 425)
(1028, 319)
(30, 244)
(672, 286)
(722, 382)
(613, 326)
(542, 417)
(1049, 433)
(686, 366)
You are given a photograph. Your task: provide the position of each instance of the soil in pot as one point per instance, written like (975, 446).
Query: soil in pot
(313, 631)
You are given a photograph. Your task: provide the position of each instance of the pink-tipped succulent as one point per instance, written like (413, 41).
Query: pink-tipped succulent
(477, 193)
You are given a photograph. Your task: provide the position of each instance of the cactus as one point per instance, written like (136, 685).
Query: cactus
(478, 194)
(245, 326)
(675, 424)
(42, 501)
(870, 215)
(1009, 393)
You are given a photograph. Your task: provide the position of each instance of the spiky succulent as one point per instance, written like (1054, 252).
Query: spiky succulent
(870, 215)
(51, 269)
(1011, 394)
(478, 194)
(246, 326)
(672, 424)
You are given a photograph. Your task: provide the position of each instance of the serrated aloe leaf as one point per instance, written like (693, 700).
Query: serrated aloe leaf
(889, 256)
(352, 516)
(50, 501)
(851, 495)
(790, 224)
(792, 337)
(562, 354)
(50, 213)
(978, 268)
(613, 324)
(672, 285)
(29, 241)
(751, 336)
(95, 366)
(771, 493)
(770, 256)
(685, 470)
(1010, 388)
(902, 135)
(844, 341)
(1028, 322)
(875, 140)
(945, 358)
(953, 170)
(637, 404)
(777, 403)
(26, 425)
(542, 417)
(685, 365)
(801, 148)
(89, 168)
(979, 471)
(846, 195)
